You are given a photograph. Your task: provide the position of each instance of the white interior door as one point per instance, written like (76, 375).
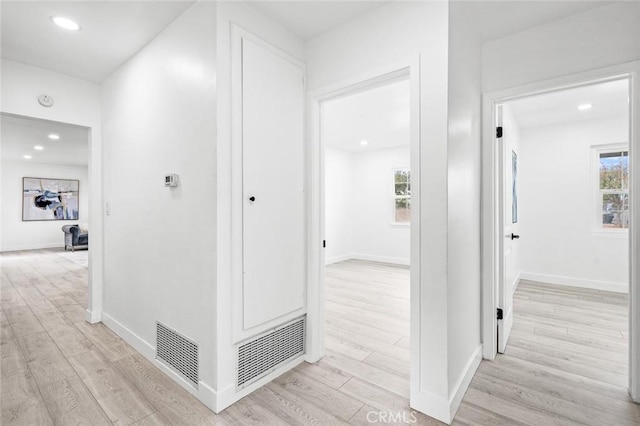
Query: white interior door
(272, 185)
(508, 230)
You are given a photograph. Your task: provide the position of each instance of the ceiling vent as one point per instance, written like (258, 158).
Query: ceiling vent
(178, 352)
(264, 354)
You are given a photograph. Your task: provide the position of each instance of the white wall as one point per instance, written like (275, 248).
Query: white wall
(159, 112)
(339, 204)
(463, 193)
(359, 206)
(19, 235)
(559, 244)
(76, 102)
(598, 38)
(395, 35)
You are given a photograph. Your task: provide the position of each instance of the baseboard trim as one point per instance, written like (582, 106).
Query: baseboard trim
(464, 381)
(336, 259)
(93, 317)
(205, 393)
(575, 282)
(230, 395)
(431, 405)
(32, 247)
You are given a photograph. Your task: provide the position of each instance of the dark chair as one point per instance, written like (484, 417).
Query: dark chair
(74, 238)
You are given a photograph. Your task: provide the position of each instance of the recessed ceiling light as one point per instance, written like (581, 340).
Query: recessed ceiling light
(65, 23)
(38, 147)
(584, 107)
(26, 157)
(54, 136)
(364, 143)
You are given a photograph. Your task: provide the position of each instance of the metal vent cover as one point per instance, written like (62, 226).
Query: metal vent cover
(178, 352)
(264, 354)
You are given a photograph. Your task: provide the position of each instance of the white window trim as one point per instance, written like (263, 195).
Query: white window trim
(597, 228)
(395, 197)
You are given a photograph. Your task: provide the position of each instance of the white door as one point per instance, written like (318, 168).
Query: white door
(509, 229)
(272, 185)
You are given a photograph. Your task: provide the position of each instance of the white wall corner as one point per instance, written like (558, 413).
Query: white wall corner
(464, 381)
(92, 317)
(338, 259)
(431, 405)
(230, 394)
(383, 259)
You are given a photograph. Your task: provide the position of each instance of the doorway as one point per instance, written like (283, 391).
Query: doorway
(367, 210)
(591, 249)
(48, 163)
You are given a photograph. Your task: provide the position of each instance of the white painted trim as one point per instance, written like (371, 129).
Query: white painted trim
(369, 257)
(490, 229)
(205, 393)
(576, 282)
(338, 259)
(383, 259)
(316, 286)
(33, 247)
(92, 317)
(462, 384)
(437, 406)
(230, 395)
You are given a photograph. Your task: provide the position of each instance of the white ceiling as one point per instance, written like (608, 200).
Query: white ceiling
(19, 135)
(610, 99)
(309, 18)
(112, 32)
(381, 116)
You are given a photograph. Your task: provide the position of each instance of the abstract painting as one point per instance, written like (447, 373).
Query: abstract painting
(49, 199)
(514, 187)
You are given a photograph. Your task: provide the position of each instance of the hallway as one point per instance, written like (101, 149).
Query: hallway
(565, 364)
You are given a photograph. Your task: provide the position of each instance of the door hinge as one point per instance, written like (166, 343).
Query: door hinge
(499, 132)
(499, 313)
(324, 243)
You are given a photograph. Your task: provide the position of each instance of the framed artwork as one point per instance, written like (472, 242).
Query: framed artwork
(514, 187)
(49, 199)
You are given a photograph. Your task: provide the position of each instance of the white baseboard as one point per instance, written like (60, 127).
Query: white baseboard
(440, 408)
(576, 282)
(370, 257)
(32, 247)
(431, 405)
(92, 317)
(204, 392)
(464, 381)
(230, 395)
(336, 259)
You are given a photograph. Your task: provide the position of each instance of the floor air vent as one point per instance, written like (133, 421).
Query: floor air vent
(265, 353)
(177, 352)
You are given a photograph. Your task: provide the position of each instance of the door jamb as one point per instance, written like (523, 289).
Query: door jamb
(490, 226)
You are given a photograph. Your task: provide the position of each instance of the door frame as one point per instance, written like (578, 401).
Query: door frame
(315, 345)
(491, 202)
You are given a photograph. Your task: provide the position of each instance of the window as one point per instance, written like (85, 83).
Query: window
(613, 188)
(402, 196)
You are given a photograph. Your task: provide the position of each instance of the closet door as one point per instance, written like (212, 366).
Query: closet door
(272, 185)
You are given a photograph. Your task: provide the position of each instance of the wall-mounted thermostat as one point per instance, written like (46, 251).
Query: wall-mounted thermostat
(171, 180)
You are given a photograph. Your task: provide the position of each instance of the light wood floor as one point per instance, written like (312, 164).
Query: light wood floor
(566, 361)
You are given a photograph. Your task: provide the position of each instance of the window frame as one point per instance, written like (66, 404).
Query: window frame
(399, 197)
(596, 151)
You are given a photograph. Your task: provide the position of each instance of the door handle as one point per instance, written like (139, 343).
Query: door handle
(514, 236)
(252, 198)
